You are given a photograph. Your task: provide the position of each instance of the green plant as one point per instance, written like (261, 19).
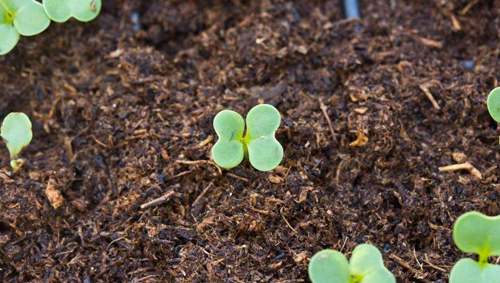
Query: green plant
(366, 266)
(476, 233)
(20, 17)
(259, 143)
(16, 132)
(493, 103)
(62, 10)
(29, 17)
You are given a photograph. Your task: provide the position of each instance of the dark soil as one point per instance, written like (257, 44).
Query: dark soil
(122, 111)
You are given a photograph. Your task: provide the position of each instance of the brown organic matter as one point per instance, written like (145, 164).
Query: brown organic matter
(122, 111)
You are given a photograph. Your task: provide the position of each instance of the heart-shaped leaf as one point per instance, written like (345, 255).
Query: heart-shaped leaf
(329, 266)
(477, 233)
(367, 265)
(493, 103)
(8, 34)
(30, 17)
(264, 151)
(25, 17)
(469, 271)
(229, 150)
(82, 10)
(16, 132)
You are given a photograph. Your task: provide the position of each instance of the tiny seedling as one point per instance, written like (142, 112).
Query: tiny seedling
(476, 233)
(20, 17)
(366, 266)
(259, 143)
(62, 10)
(16, 133)
(493, 103)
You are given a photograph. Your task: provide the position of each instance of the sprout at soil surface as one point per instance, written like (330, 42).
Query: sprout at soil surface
(494, 104)
(16, 133)
(366, 266)
(62, 10)
(259, 143)
(20, 17)
(476, 233)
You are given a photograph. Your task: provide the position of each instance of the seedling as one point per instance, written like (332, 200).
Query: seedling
(476, 233)
(16, 133)
(20, 17)
(493, 103)
(259, 143)
(62, 10)
(366, 266)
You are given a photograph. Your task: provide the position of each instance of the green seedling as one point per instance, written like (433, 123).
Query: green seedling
(62, 10)
(366, 266)
(259, 143)
(476, 233)
(16, 133)
(493, 103)
(20, 17)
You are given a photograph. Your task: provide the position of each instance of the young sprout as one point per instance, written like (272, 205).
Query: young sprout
(16, 133)
(366, 266)
(476, 233)
(494, 104)
(259, 143)
(62, 10)
(20, 17)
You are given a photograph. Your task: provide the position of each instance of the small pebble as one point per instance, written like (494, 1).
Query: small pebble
(136, 21)
(468, 65)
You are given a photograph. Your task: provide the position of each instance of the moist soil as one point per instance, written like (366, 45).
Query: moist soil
(122, 112)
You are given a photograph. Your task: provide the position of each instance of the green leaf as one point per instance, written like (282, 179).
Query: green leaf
(8, 34)
(82, 10)
(264, 151)
(367, 264)
(493, 103)
(8, 38)
(16, 132)
(229, 150)
(30, 18)
(477, 233)
(469, 271)
(262, 120)
(329, 266)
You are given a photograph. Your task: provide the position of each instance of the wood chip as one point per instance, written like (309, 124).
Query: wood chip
(430, 42)
(455, 24)
(361, 139)
(300, 257)
(459, 157)
(53, 194)
(361, 110)
(462, 166)
(275, 179)
(302, 49)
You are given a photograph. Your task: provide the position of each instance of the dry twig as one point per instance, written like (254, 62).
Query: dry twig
(164, 198)
(323, 108)
(427, 92)
(417, 274)
(462, 166)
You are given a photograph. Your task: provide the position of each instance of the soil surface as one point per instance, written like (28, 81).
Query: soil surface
(122, 110)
